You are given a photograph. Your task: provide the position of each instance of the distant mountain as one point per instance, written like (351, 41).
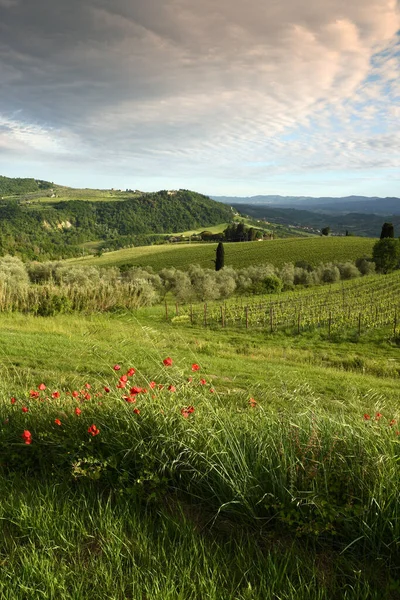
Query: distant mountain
(361, 224)
(329, 205)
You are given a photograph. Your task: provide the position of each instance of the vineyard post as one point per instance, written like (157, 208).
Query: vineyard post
(205, 314)
(359, 323)
(247, 316)
(166, 310)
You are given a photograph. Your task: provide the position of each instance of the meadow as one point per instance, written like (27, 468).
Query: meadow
(314, 250)
(221, 464)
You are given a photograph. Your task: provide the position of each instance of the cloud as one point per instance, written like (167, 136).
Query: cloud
(210, 87)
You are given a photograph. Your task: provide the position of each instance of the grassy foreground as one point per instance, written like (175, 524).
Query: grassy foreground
(314, 250)
(275, 485)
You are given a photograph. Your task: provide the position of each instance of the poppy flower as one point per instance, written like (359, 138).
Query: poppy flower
(93, 430)
(172, 388)
(42, 387)
(212, 391)
(55, 395)
(77, 411)
(13, 400)
(116, 368)
(160, 386)
(184, 413)
(34, 394)
(124, 378)
(87, 386)
(168, 362)
(367, 417)
(195, 367)
(252, 403)
(203, 382)
(136, 411)
(131, 372)
(27, 437)
(135, 390)
(392, 422)
(190, 409)
(121, 385)
(378, 416)
(130, 399)
(107, 390)
(75, 394)
(25, 409)
(152, 384)
(190, 379)
(57, 421)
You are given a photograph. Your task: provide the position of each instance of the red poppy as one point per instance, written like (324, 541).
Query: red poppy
(172, 388)
(136, 411)
(190, 409)
(167, 362)
(392, 422)
(195, 367)
(42, 387)
(367, 417)
(124, 378)
(252, 403)
(121, 385)
(27, 437)
(77, 411)
(107, 389)
(13, 400)
(117, 368)
(378, 416)
(75, 394)
(131, 372)
(184, 413)
(152, 384)
(130, 399)
(55, 395)
(203, 382)
(57, 421)
(87, 396)
(212, 391)
(25, 409)
(87, 386)
(34, 394)
(190, 379)
(93, 430)
(135, 390)
(160, 386)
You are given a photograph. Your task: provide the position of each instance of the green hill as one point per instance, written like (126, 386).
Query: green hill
(57, 228)
(240, 254)
(10, 186)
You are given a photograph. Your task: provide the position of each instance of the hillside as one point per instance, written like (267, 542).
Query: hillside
(56, 228)
(14, 186)
(238, 254)
(359, 224)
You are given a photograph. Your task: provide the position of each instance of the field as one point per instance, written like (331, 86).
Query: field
(243, 254)
(272, 474)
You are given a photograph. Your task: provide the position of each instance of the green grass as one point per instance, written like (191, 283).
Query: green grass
(243, 254)
(234, 502)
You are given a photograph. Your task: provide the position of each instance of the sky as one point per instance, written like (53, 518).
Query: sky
(225, 98)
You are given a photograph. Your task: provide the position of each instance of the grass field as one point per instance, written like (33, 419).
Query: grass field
(291, 495)
(276, 252)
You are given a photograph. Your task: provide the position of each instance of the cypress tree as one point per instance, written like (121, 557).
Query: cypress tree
(220, 257)
(387, 231)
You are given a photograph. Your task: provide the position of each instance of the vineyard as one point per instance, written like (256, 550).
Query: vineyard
(275, 252)
(358, 304)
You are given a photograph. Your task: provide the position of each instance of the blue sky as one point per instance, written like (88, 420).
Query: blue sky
(225, 98)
